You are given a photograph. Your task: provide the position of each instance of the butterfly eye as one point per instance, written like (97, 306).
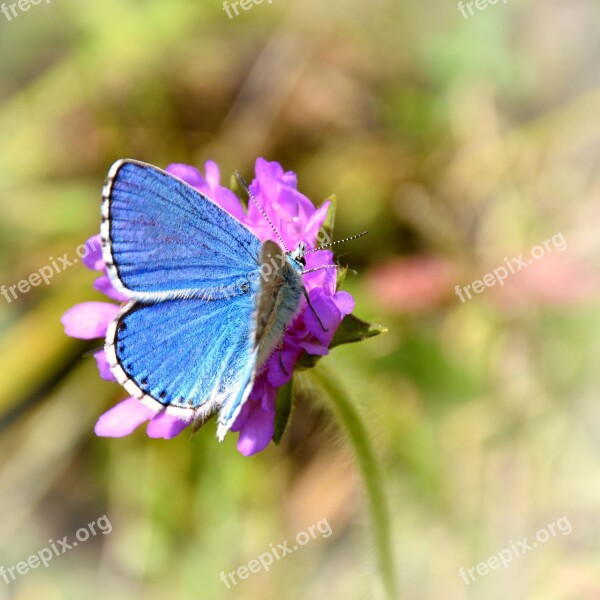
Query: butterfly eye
(298, 254)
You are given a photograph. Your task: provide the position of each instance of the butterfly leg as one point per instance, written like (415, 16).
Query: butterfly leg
(285, 371)
(313, 309)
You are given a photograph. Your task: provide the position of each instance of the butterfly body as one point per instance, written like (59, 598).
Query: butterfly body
(278, 300)
(208, 303)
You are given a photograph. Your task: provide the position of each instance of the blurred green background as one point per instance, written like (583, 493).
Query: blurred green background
(458, 143)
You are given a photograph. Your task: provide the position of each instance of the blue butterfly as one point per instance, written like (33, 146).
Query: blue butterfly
(208, 301)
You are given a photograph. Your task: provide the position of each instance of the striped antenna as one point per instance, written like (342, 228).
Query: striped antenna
(243, 183)
(319, 268)
(352, 237)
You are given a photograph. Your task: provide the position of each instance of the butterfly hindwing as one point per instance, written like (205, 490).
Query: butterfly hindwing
(193, 357)
(164, 239)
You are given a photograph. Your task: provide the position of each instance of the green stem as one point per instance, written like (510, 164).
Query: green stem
(369, 467)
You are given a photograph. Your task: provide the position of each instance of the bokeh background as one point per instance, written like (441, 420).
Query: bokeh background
(456, 142)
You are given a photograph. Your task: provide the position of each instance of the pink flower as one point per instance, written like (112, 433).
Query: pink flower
(296, 219)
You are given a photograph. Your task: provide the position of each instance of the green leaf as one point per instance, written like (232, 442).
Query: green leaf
(238, 190)
(341, 275)
(353, 329)
(307, 361)
(283, 410)
(329, 220)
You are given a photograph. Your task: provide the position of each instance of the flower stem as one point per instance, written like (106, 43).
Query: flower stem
(370, 469)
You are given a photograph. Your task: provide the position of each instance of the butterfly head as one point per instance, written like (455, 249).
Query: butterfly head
(297, 255)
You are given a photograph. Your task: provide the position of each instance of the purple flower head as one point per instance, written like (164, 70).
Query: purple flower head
(297, 220)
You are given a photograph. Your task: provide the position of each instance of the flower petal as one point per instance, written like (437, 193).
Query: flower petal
(315, 347)
(165, 426)
(314, 224)
(323, 278)
(104, 285)
(210, 186)
(288, 209)
(189, 174)
(344, 302)
(103, 366)
(93, 256)
(329, 316)
(289, 357)
(213, 174)
(256, 421)
(257, 431)
(123, 419)
(89, 320)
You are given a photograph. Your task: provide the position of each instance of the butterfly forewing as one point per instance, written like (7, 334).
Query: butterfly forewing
(164, 239)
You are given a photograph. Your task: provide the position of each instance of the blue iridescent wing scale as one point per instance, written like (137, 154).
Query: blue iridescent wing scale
(194, 357)
(161, 238)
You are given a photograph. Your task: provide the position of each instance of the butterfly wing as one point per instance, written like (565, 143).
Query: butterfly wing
(188, 340)
(193, 357)
(163, 239)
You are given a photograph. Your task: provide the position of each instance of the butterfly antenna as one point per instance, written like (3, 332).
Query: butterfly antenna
(348, 239)
(243, 183)
(320, 268)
